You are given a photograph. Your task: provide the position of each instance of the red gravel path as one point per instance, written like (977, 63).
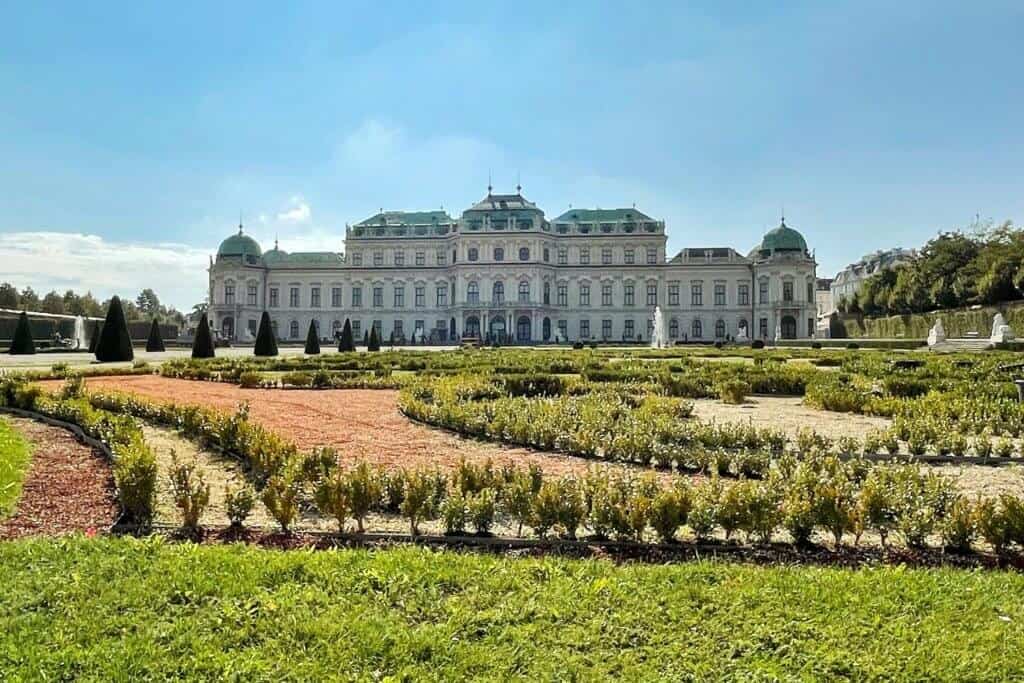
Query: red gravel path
(68, 487)
(362, 424)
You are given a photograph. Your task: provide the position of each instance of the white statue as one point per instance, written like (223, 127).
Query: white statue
(1001, 332)
(658, 338)
(937, 333)
(778, 331)
(741, 335)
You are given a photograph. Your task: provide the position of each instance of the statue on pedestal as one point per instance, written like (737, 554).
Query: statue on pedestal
(937, 333)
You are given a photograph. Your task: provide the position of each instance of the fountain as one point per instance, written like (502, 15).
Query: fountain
(80, 341)
(658, 338)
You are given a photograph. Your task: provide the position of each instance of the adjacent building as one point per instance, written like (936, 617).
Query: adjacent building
(505, 272)
(849, 280)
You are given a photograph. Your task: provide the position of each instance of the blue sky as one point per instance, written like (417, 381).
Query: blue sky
(131, 135)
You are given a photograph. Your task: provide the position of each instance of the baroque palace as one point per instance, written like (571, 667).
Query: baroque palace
(504, 272)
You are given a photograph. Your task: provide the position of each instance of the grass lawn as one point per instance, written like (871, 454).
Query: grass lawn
(15, 455)
(122, 609)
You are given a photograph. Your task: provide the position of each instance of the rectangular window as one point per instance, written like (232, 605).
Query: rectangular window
(314, 297)
(606, 295)
(357, 296)
(673, 294)
(335, 297)
(251, 295)
(563, 256)
(274, 297)
(606, 256)
(630, 257)
(697, 294)
(398, 329)
(606, 329)
(421, 297)
(378, 258)
(629, 294)
(293, 297)
(399, 297)
(810, 292)
(762, 327)
(762, 292)
(584, 329)
(563, 329)
(419, 327)
(378, 297)
(399, 258)
(563, 295)
(627, 331)
(441, 257)
(584, 256)
(584, 295)
(743, 295)
(442, 296)
(547, 255)
(810, 327)
(229, 294)
(652, 256)
(652, 295)
(357, 258)
(787, 291)
(421, 258)
(719, 295)
(357, 330)
(377, 326)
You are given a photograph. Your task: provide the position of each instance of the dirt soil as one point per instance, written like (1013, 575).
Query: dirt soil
(68, 487)
(360, 424)
(788, 414)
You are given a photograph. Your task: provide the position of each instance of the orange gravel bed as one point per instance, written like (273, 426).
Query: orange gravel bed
(359, 423)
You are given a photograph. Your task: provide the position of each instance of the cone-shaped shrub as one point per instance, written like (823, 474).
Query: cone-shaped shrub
(374, 343)
(202, 345)
(155, 341)
(266, 343)
(312, 340)
(94, 338)
(347, 343)
(22, 342)
(366, 337)
(115, 342)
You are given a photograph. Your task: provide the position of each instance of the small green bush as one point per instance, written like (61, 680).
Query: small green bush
(189, 489)
(733, 391)
(238, 503)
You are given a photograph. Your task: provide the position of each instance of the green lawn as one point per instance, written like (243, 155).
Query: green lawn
(122, 609)
(15, 455)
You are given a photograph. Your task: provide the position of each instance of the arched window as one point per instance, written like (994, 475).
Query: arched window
(473, 293)
(474, 253)
(498, 292)
(499, 254)
(720, 329)
(547, 295)
(293, 330)
(696, 330)
(673, 329)
(524, 253)
(524, 292)
(742, 327)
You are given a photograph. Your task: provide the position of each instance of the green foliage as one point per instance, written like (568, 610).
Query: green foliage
(15, 455)
(238, 503)
(135, 475)
(281, 498)
(312, 340)
(373, 343)
(454, 513)
(115, 344)
(22, 343)
(418, 501)
(266, 342)
(346, 343)
(733, 391)
(189, 490)
(155, 342)
(332, 496)
(202, 344)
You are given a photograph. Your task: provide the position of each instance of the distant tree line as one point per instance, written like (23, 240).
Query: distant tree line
(953, 270)
(146, 306)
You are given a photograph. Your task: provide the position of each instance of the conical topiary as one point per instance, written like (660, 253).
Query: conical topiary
(312, 340)
(155, 341)
(115, 342)
(374, 343)
(22, 344)
(94, 338)
(366, 337)
(202, 345)
(266, 343)
(347, 343)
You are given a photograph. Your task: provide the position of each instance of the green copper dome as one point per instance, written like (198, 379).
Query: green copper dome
(783, 238)
(240, 245)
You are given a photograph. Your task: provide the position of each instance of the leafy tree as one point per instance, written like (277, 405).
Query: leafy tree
(202, 345)
(52, 303)
(29, 300)
(266, 343)
(22, 344)
(9, 297)
(115, 343)
(374, 342)
(148, 303)
(346, 343)
(156, 341)
(312, 340)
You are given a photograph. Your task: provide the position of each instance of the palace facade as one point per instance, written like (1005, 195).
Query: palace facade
(503, 271)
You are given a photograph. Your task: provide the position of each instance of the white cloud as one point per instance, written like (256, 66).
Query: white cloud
(62, 260)
(299, 212)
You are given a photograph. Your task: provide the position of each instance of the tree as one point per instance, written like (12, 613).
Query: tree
(22, 344)
(366, 337)
(148, 303)
(29, 300)
(115, 343)
(52, 303)
(312, 340)
(347, 343)
(266, 344)
(202, 345)
(9, 296)
(156, 341)
(374, 343)
(94, 338)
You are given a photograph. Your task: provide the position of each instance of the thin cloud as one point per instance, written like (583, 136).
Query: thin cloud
(298, 213)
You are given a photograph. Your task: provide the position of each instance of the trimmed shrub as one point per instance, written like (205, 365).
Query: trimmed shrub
(250, 379)
(202, 345)
(190, 491)
(135, 478)
(281, 496)
(331, 496)
(94, 338)
(266, 344)
(115, 343)
(22, 344)
(238, 502)
(312, 340)
(757, 344)
(366, 337)
(418, 503)
(156, 341)
(733, 391)
(364, 493)
(347, 343)
(374, 342)
(481, 508)
(454, 513)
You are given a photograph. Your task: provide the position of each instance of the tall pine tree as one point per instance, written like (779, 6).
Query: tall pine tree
(312, 340)
(115, 342)
(202, 345)
(22, 344)
(347, 343)
(155, 341)
(266, 343)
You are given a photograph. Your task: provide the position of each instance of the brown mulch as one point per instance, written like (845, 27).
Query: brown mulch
(68, 487)
(360, 423)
